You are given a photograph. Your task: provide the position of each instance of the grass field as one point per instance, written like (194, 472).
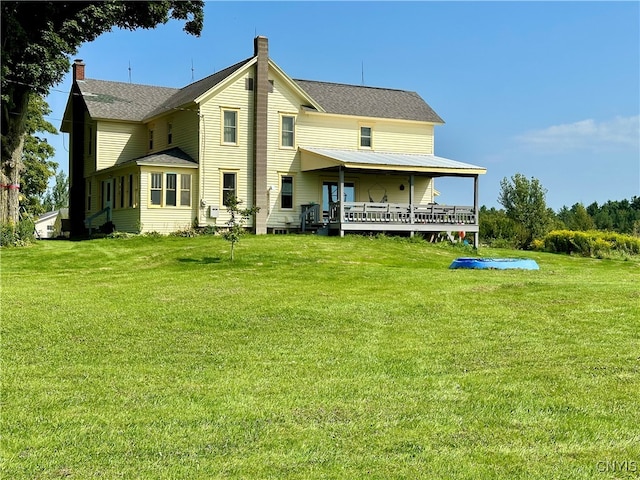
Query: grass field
(315, 357)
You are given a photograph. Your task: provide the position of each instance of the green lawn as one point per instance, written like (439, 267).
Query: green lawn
(315, 357)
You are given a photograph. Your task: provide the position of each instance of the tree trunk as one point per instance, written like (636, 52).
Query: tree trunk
(14, 114)
(10, 191)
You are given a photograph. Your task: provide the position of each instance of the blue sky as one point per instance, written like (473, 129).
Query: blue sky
(550, 90)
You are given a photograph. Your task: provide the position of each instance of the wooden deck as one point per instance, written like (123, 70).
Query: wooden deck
(397, 217)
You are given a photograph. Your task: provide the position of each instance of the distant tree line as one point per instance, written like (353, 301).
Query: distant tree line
(525, 216)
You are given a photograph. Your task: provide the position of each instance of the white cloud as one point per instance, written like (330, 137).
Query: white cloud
(620, 132)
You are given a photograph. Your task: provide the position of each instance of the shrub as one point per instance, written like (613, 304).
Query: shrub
(117, 234)
(187, 232)
(17, 235)
(589, 244)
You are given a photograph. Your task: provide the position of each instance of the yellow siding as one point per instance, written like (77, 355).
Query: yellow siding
(329, 131)
(184, 132)
(283, 160)
(118, 142)
(200, 137)
(217, 158)
(164, 220)
(126, 220)
(403, 137)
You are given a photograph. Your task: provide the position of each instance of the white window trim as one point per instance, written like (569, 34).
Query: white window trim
(237, 112)
(163, 190)
(295, 121)
(360, 127)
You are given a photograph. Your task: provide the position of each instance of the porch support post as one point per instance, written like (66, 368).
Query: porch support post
(476, 235)
(411, 200)
(341, 199)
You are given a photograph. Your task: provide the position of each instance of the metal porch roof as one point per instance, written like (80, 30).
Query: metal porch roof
(324, 158)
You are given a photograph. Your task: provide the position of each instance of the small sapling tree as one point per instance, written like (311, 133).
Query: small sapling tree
(237, 221)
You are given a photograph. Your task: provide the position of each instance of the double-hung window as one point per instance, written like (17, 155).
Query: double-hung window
(150, 139)
(228, 187)
(366, 137)
(156, 188)
(185, 190)
(169, 133)
(287, 128)
(173, 188)
(286, 191)
(170, 190)
(230, 127)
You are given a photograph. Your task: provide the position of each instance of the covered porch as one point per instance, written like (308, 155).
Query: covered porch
(413, 215)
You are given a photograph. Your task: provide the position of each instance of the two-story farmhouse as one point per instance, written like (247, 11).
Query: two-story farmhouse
(309, 154)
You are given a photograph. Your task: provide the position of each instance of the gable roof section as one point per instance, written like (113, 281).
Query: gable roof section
(189, 93)
(343, 99)
(133, 102)
(122, 101)
(173, 157)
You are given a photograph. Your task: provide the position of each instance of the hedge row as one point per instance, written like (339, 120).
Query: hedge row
(589, 244)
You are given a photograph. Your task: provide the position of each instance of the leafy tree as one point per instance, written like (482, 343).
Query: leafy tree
(619, 216)
(37, 42)
(237, 221)
(57, 196)
(496, 227)
(38, 169)
(524, 202)
(576, 218)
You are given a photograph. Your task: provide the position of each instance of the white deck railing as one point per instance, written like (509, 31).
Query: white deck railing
(401, 213)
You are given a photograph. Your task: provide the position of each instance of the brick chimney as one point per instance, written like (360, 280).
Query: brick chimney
(78, 70)
(260, 108)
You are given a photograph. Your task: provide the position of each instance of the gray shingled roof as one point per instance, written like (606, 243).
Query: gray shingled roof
(128, 101)
(173, 156)
(369, 101)
(122, 101)
(191, 92)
